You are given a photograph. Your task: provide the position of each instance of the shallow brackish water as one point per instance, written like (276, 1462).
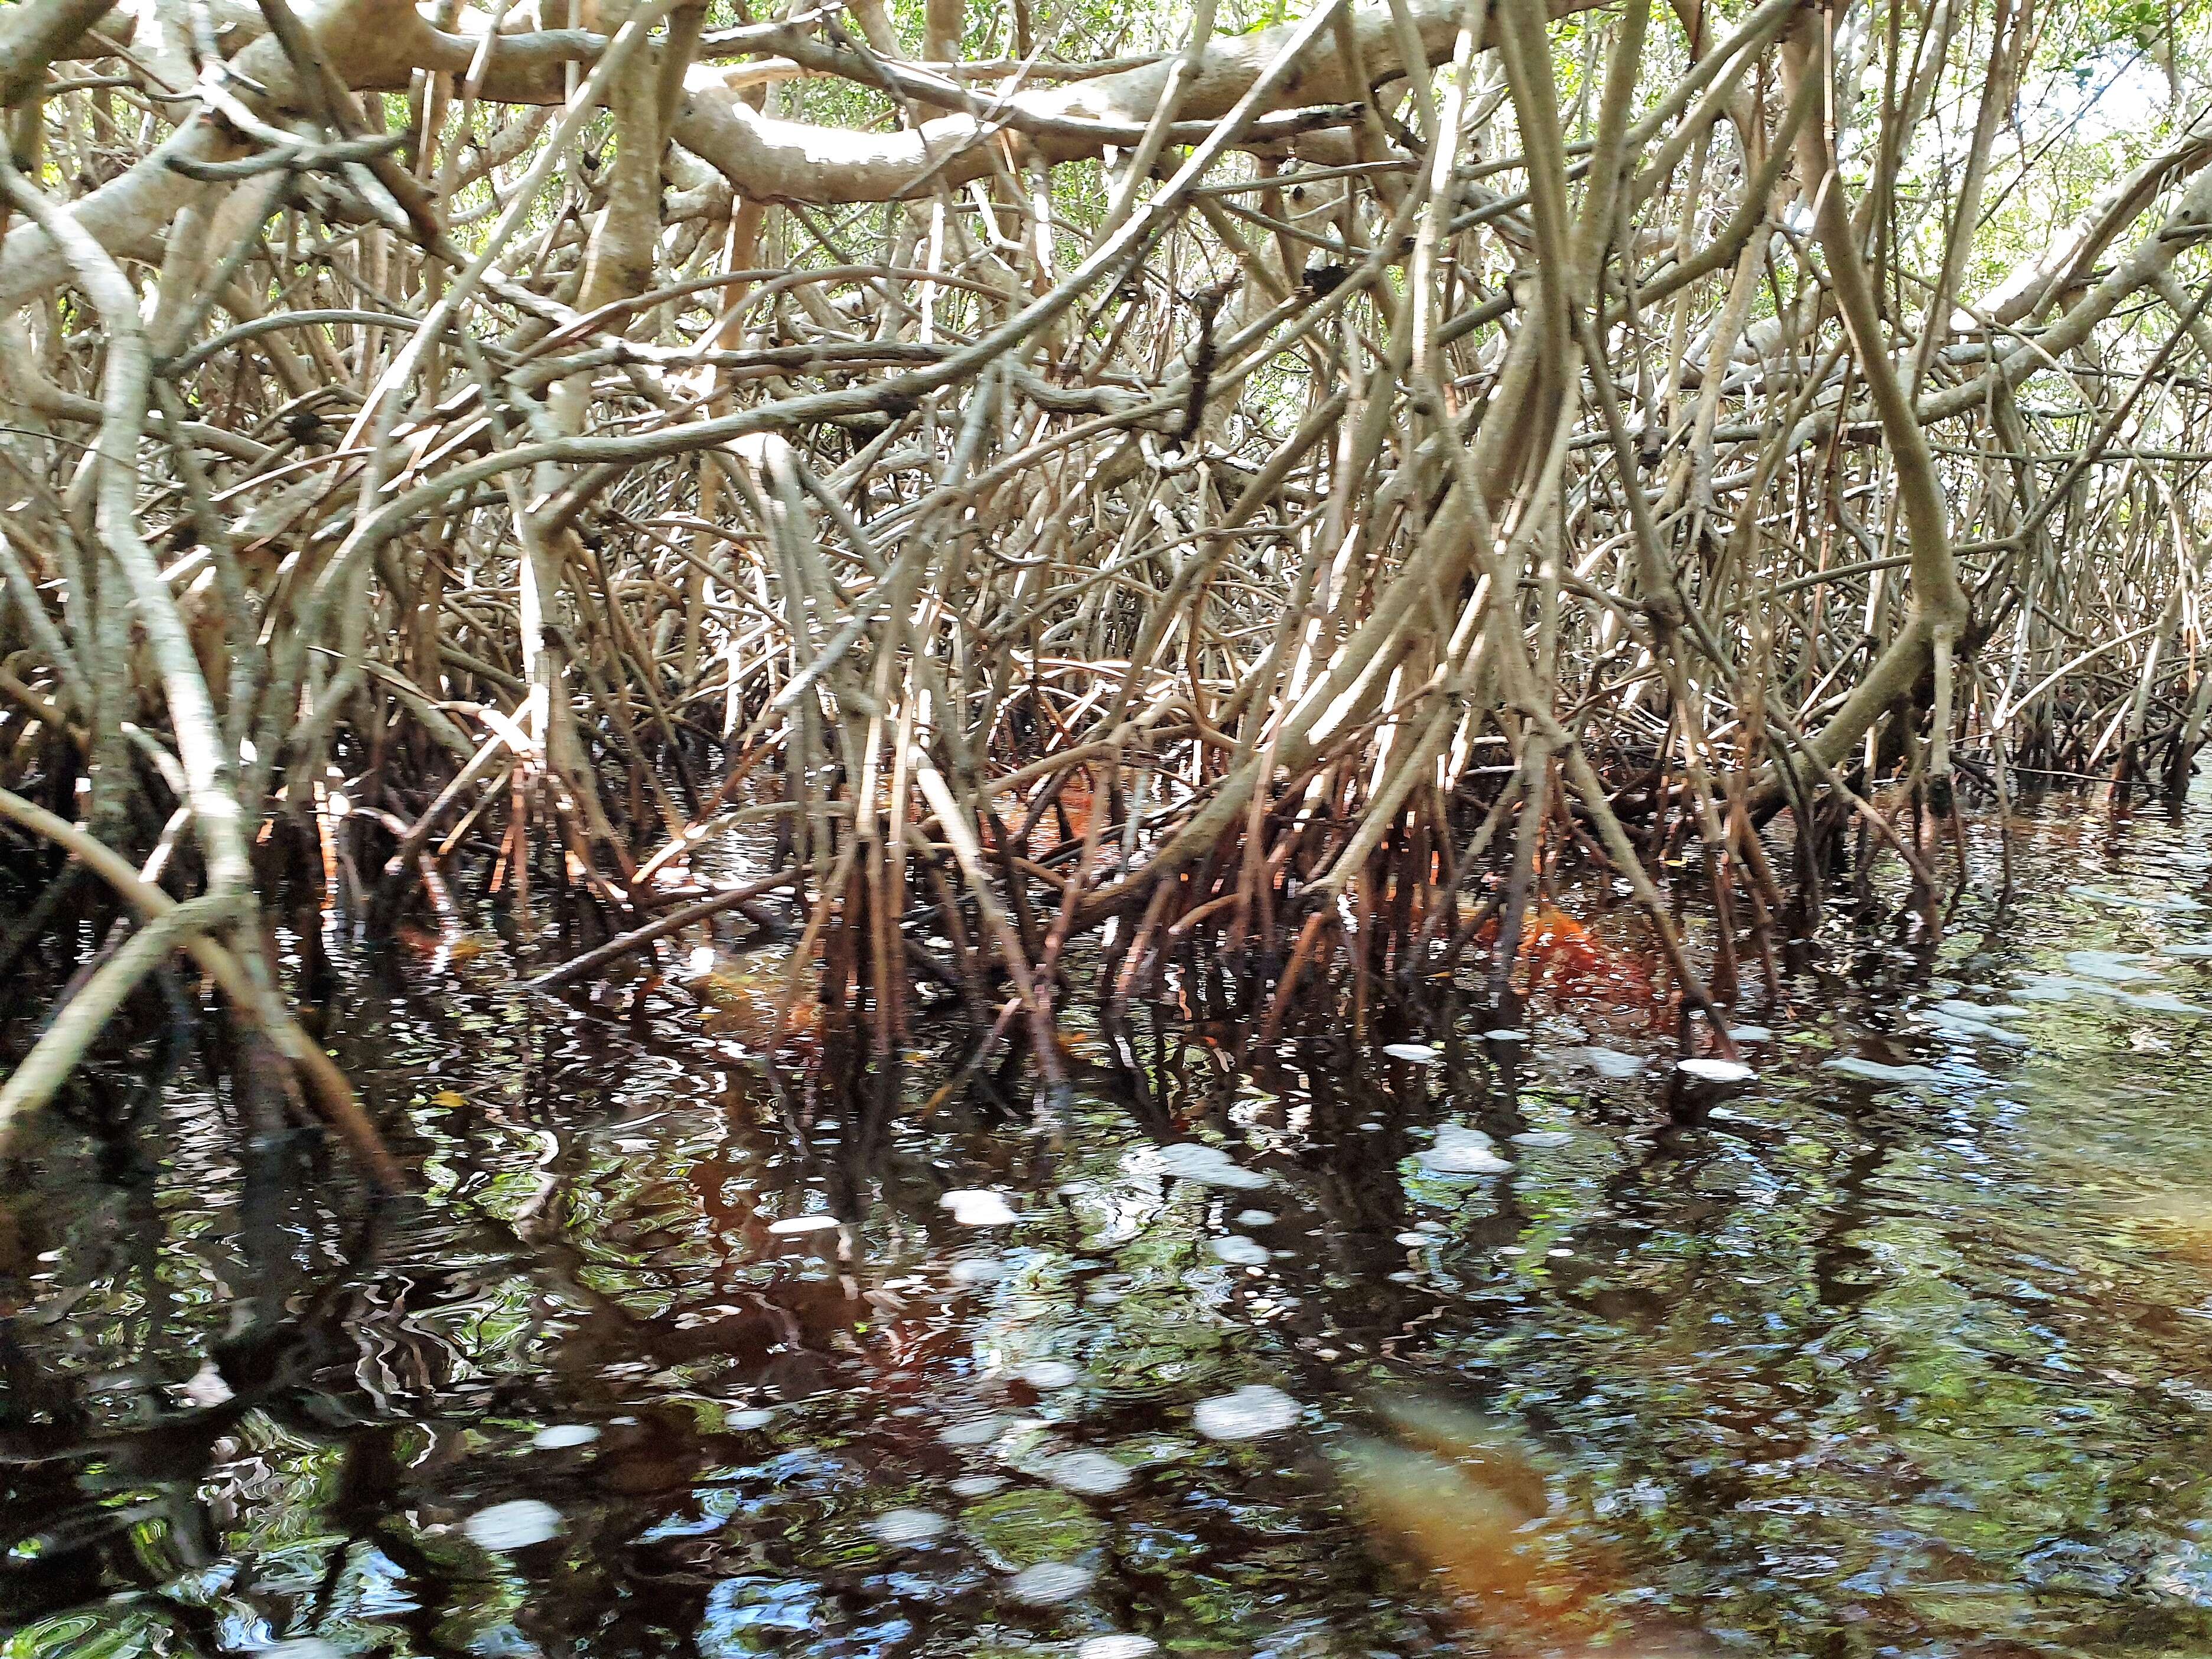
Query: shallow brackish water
(1908, 1355)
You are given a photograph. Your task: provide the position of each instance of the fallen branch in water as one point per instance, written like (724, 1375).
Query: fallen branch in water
(736, 898)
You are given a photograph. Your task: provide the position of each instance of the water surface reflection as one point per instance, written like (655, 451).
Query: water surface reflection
(1910, 1354)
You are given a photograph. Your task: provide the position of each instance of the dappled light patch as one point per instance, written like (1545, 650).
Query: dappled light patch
(908, 1528)
(514, 1525)
(1460, 1150)
(1251, 1412)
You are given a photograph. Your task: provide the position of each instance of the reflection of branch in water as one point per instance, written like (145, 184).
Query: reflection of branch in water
(268, 1363)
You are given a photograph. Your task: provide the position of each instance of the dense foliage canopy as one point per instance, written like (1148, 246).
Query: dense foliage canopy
(1261, 488)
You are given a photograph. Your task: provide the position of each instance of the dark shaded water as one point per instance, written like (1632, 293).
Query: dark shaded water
(1864, 1365)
